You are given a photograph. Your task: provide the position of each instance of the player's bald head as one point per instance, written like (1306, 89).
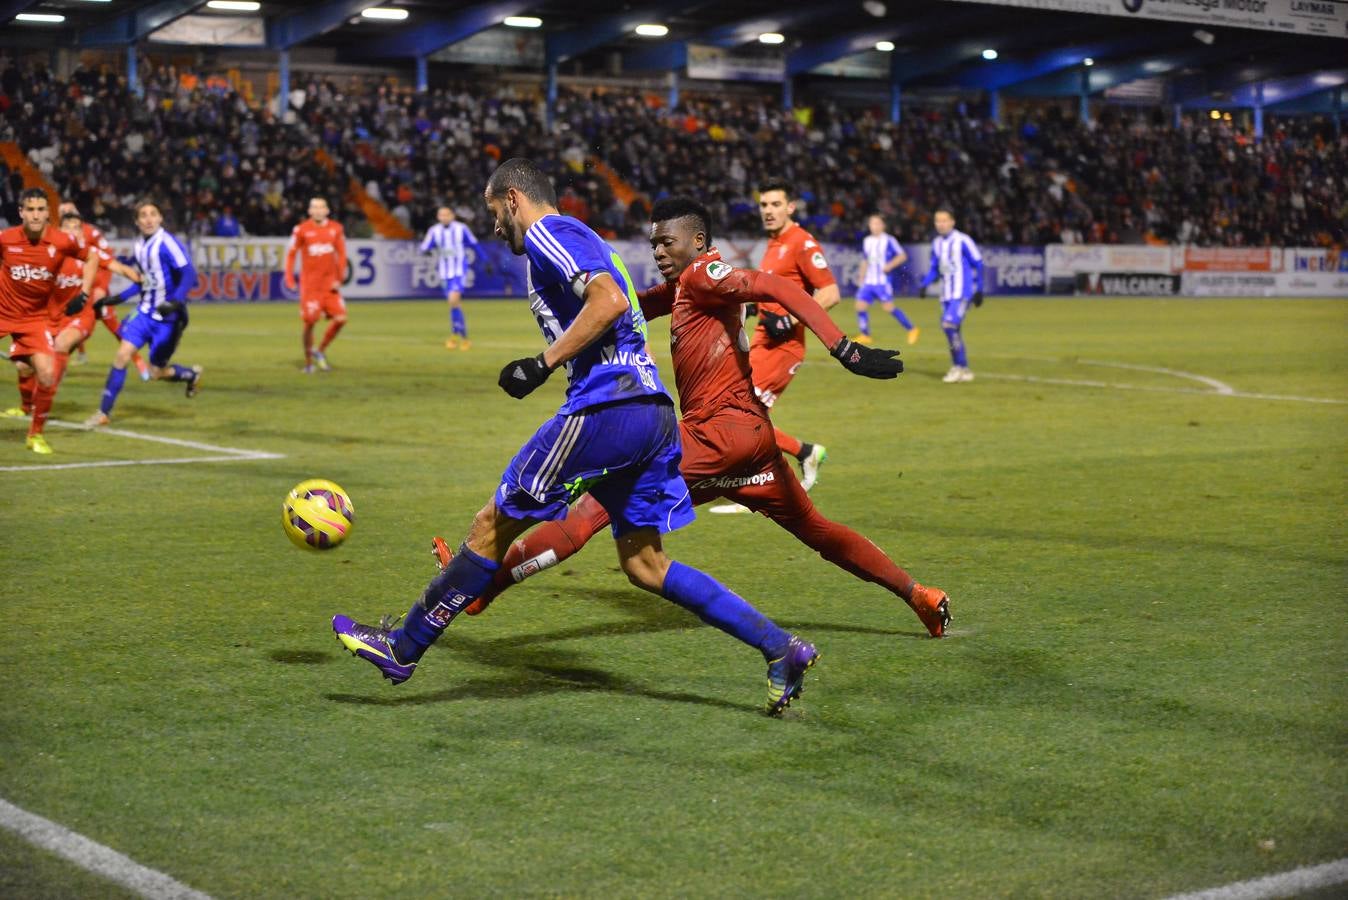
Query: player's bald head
(686, 212)
(525, 178)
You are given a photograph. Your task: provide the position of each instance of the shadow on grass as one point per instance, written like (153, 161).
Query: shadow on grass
(301, 657)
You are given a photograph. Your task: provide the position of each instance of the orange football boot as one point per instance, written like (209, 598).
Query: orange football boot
(932, 606)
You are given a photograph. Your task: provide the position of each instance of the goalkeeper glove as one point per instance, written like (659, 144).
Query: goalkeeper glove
(977, 298)
(521, 377)
(76, 303)
(872, 362)
(922, 292)
(779, 328)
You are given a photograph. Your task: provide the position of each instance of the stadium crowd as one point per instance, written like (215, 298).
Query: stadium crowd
(232, 167)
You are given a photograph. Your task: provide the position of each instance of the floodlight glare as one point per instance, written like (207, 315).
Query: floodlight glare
(771, 37)
(39, 17)
(391, 13)
(884, 46)
(989, 54)
(235, 5)
(652, 30)
(1088, 61)
(523, 21)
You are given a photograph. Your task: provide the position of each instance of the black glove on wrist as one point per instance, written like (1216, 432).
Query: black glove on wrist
(872, 362)
(76, 303)
(521, 377)
(778, 327)
(922, 291)
(977, 298)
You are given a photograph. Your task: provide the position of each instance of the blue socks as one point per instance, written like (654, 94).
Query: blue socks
(457, 322)
(181, 373)
(864, 322)
(113, 387)
(902, 319)
(715, 604)
(465, 579)
(957, 354)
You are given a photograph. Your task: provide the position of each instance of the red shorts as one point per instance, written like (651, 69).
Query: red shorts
(31, 335)
(774, 365)
(83, 321)
(329, 304)
(734, 455)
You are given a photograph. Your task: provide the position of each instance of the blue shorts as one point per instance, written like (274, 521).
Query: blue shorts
(625, 454)
(869, 293)
(454, 285)
(162, 337)
(954, 311)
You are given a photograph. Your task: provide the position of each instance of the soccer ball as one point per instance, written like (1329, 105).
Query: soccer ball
(317, 515)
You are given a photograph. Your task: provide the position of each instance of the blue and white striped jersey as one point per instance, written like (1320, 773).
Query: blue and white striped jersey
(879, 250)
(955, 259)
(450, 243)
(564, 256)
(166, 275)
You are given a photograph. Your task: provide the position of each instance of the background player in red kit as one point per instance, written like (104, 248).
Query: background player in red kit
(322, 243)
(728, 445)
(92, 236)
(31, 255)
(778, 347)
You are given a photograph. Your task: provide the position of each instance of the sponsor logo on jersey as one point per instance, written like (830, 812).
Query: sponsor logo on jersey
(718, 270)
(320, 249)
(25, 272)
(68, 281)
(818, 260)
(735, 481)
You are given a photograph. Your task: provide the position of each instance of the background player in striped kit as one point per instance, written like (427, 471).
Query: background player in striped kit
(92, 236)
(883, 256)
(449, 240)
(955, 259)
(166, 275)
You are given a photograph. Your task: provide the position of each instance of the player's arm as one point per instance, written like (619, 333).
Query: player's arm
(933, 272)
(117, 267)
(900, 257)
(292, 251)
(343, 265)
(605, 304)
(975, 258)
(126, 294)
(872, 362)
(426, 241)
(657, 301)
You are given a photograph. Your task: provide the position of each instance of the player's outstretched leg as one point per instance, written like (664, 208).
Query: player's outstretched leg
(863, 323)
(811, 456)
(904, 322)
(786, 674)
(321, 354)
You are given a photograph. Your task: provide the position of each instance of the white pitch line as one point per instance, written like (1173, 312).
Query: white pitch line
(1220, 387)
(1285, 884)
(93, 856)
(111, 463)
(158, 439)
(1079, 382)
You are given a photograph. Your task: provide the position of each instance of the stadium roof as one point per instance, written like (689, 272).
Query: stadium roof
(1039, 52)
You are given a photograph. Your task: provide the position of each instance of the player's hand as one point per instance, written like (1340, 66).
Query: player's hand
(76, 303)
(779, 328)
(922, 292)
(164, 307)
(977, 298)
(872, 362)
(101, 308)
(290, 284)
(521, 377)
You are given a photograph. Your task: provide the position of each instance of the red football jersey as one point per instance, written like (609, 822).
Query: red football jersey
(795, 255)
(706, 331)
(323, 252)
(93, 237)
(28, 269)
(69, 279)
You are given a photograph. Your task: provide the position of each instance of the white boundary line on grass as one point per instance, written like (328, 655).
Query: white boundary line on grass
(223, 454)
(1284, 884)
(93, 856)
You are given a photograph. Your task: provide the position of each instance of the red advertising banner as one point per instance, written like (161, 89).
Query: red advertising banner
(1232, 259)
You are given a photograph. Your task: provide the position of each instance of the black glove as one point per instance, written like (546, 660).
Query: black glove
(922, 291)
(751, 309)
(521, 377)
(977, 298)
(76, 303)
(779, 327)
(101, 307)
(873, 362)
(164, 307)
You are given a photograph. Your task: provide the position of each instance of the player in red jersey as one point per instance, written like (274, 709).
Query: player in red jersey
(778, 347)
(322, 243)
(728, 445)
(91, 236)
(31, 254)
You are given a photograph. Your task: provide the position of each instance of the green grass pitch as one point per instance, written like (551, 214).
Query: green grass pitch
(1142, 692)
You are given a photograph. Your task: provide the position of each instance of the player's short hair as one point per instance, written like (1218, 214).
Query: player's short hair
(144, 202)
(524, 176)
(32, 194)
(447, 208)
(320, 197)
(944, 208)
(682, 208)
(775, 184)
(73, 214)
(875, 215)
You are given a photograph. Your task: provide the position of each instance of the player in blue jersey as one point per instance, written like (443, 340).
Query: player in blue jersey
(166, 277)
(615, 436)
(955, 259)
(449, 240)
(882, 256)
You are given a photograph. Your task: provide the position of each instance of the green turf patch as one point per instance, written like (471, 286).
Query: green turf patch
(1142, 691)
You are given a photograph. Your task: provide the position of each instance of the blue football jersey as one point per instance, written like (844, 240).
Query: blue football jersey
(564, 255)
